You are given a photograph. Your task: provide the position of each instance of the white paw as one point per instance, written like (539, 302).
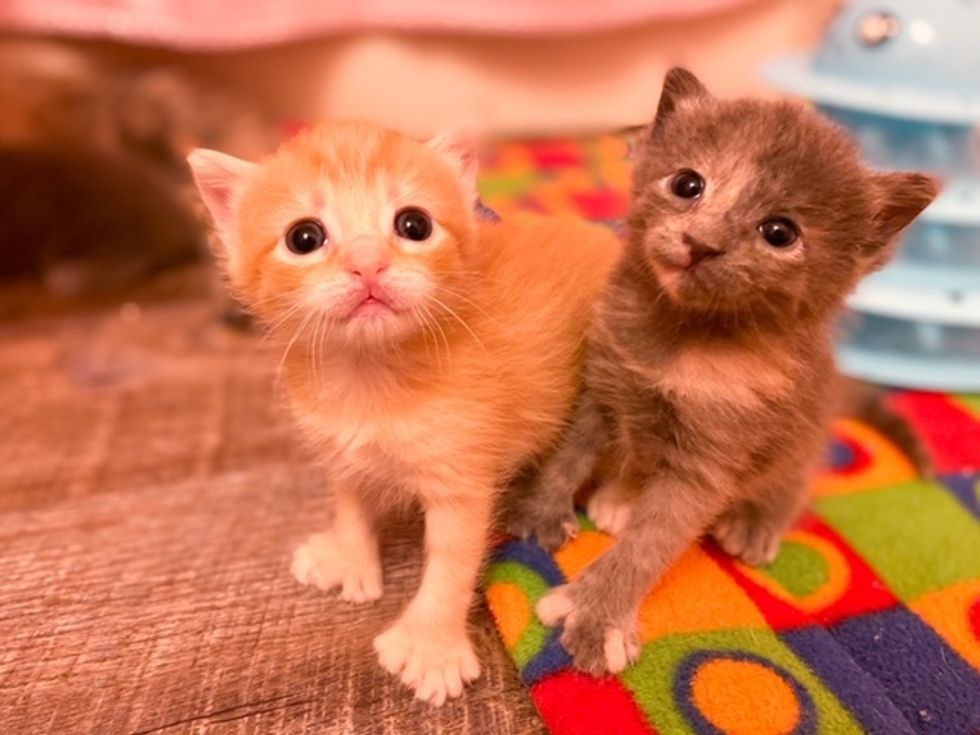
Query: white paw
(555, 606)
(609, 508)
(325, 563)
(434, 664)
(620, 650)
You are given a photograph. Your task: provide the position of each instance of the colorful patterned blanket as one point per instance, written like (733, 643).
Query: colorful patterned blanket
(869, 620)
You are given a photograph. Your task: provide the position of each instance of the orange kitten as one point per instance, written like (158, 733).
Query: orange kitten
(428, 354)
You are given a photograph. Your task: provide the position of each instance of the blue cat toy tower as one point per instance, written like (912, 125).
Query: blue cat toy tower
(904, 77)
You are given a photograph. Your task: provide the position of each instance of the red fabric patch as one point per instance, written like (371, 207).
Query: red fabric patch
(949, 432)
(572, 703)
(602, 204)
(555, 154)
(974, 615)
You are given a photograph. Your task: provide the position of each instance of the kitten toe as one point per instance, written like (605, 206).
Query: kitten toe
(585, 641)
(432, 689)
(453, 678)
(554, 607)
(620, 650)
(550, 525)
(762, 548)
(596, 644)
(609, 508)
(747, 538)
(571, 529)
(363, 587)
(434, 664)
(555, 535)
(324, 562)
(730, 536)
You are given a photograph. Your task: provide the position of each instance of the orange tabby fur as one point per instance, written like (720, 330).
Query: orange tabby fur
(440, 402)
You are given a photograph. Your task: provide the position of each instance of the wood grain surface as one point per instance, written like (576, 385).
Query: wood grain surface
(151, 491)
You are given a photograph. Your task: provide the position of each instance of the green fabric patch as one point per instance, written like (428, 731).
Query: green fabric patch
(970, 402)
(915, 535)
(652, 678)
(495, 186)
(799, 569)
(535, 636)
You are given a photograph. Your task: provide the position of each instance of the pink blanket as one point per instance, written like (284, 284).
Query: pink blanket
(223, 24)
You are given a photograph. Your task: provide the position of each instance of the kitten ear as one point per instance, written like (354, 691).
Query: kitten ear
(680, 86)
(219, 177)
(902, 197)
(460, 149)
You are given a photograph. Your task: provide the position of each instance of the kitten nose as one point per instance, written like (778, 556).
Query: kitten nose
(369, 271)
(366, 262)
(698, 250)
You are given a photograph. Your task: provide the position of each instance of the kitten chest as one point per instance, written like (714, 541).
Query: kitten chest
(406, 449)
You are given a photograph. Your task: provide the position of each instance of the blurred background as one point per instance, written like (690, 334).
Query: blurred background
(537, 66)
(101, 99)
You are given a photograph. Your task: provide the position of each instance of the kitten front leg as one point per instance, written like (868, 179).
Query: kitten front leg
(546, 511)
(346, 555)
(600, 609)
(428, 646)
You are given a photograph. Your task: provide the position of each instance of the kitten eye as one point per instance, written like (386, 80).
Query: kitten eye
(305, 236)
(687, 184)
(413, 224)
(779, 232)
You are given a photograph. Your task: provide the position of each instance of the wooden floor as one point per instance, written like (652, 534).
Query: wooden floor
(151, 490)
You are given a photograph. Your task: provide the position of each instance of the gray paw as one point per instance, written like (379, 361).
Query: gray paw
(550, 524)
(744, 535)
(597, 645)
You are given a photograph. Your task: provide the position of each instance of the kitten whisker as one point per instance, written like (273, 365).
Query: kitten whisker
(426, 331)
(449, 310)
(270, 299)
(315, 351)
(271, 326)
(442, 332)
(289, 346)
(455, 293)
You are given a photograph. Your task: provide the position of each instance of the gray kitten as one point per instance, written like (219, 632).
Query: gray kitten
(709, 384)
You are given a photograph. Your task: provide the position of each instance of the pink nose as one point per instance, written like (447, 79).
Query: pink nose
(368, 270)
(365, 261)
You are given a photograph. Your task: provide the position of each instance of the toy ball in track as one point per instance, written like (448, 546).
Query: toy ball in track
(904, 77)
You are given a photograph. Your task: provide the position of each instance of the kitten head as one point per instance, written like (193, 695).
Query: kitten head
(349, 234)
(757, 205)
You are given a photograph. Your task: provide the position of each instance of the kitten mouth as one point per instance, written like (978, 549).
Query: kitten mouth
(678, 265)
(372, 303)
(683, 281)
(682, 270)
